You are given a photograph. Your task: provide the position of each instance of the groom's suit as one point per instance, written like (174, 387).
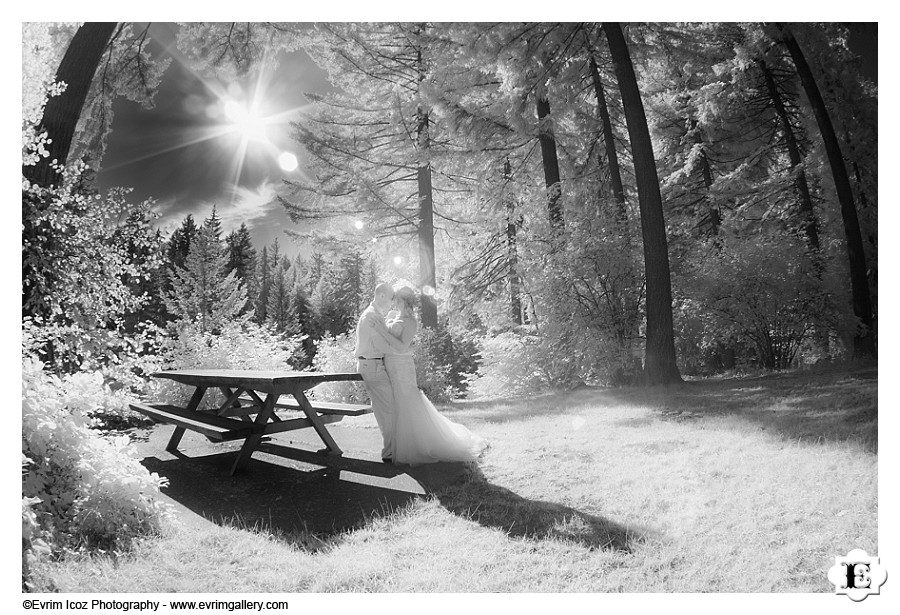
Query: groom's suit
(369, 352)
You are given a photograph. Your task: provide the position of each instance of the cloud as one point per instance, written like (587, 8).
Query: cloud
(248, 205)
(257, 207)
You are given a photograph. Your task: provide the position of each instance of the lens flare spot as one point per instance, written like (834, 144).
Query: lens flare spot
(287, 161)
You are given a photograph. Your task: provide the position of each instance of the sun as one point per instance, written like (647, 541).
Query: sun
(248, 118)
(246, 121)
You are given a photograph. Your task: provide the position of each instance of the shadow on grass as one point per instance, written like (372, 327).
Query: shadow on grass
(824, 406)
(497, 507)
(310, 509)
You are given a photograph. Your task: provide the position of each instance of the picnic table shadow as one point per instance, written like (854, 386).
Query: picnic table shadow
(291, 502)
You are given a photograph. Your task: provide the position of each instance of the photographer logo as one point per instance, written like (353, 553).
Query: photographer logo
(857, 575)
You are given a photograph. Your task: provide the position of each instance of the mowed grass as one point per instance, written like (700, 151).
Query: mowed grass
(692, 488)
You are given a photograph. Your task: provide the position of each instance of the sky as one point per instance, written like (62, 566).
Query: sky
(186, 153)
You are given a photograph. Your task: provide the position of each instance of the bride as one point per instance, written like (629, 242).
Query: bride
(422, 434)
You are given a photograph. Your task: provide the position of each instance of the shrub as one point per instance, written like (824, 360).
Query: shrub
(433, 365)
(765, 291)
(335, 354)
(513, 363)
(444, 363)
(33, 546)
(84, 490)
(238, 345)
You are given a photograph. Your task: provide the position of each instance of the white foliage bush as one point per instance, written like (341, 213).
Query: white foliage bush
(335, 354)
(513, 364)
(239, 345)
(84, 489)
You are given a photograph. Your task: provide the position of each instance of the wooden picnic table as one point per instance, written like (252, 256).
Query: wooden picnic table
(249, 411)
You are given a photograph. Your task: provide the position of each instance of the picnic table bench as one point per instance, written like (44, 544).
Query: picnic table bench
(249, 410)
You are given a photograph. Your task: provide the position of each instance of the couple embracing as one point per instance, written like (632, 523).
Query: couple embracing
(414, 432)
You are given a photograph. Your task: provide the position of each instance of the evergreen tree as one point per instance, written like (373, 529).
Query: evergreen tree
(202, 294)
(263, 279)
(242, 259)
(302, 310)
(314, 271)
(214, 223)
(279, 311)
(179, 244)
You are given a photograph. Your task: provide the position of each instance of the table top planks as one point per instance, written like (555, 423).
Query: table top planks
(256, 380)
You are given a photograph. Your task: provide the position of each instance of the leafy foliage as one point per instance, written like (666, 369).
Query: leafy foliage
(83, 255)
(235, 345)
(79, 489)
(513, 363)
(335, 354)
(445, 363)
(763, 290)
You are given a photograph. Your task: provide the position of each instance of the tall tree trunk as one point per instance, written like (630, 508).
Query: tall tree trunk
(805, 201)
(612, 158)
(864, 341)
(427, 280)
(549, 159)
(515, 283)
(62, 112)
(659, 358)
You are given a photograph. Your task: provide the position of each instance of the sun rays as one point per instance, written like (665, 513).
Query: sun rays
(241, 127)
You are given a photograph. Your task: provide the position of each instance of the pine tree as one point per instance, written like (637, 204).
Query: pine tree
(179, 244)
(241, 253)
(263, 279)
(280, 315)
(214, 223)
(202, 294)
(305, 325)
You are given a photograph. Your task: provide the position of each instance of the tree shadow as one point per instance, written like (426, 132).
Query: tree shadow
(497, 507)
(823, 406)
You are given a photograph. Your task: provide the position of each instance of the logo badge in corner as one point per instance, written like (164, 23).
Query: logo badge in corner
(857, 575)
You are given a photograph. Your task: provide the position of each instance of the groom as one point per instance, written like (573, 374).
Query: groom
(370, 350)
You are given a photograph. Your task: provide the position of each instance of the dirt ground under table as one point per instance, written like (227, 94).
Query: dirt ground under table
(280, 494)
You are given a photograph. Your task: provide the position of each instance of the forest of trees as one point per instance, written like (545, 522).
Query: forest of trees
(613, 202)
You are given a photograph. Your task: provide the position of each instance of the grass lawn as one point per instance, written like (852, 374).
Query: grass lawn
(698, 487)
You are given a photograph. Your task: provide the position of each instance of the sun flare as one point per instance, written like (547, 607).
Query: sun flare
(246, 121)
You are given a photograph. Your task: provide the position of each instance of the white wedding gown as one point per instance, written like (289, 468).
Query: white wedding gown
(422, 434)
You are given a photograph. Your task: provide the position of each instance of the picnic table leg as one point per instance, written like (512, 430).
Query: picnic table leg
(332, 447)
(175, 440)
(253, 439)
